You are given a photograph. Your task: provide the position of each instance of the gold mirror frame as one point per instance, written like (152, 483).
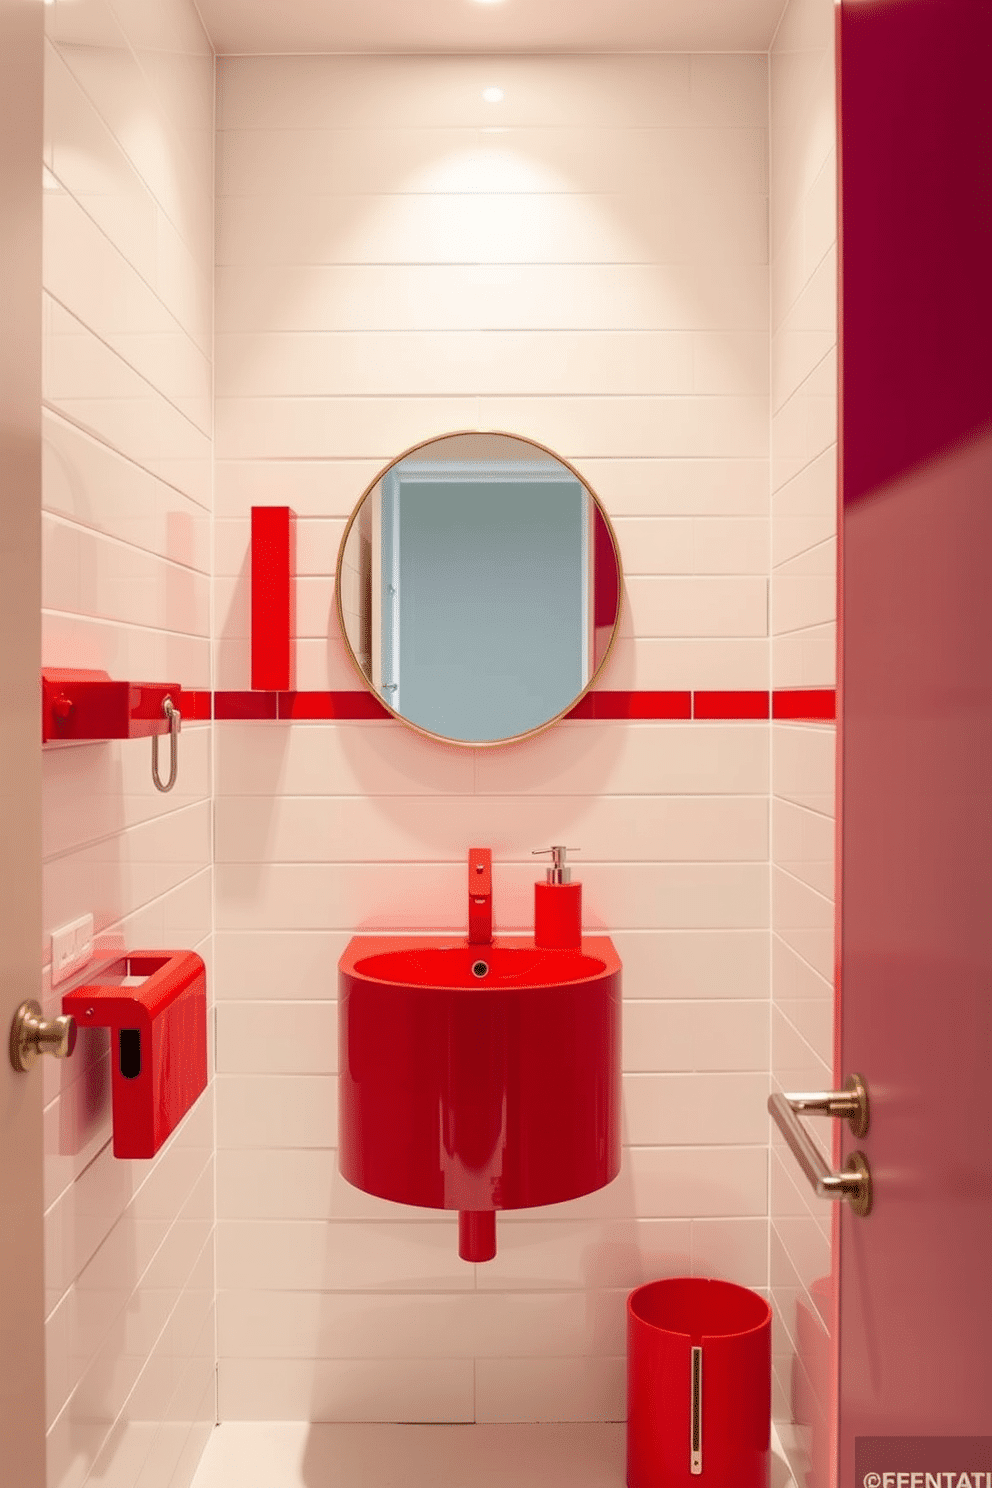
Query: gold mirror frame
(366, 680)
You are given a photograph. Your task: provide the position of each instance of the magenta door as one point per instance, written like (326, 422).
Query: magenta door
(915, 739)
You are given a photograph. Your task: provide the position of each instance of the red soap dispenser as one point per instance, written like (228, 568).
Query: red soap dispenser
(558, 906)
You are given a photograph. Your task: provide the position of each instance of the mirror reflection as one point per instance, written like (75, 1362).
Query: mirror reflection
(478, 587)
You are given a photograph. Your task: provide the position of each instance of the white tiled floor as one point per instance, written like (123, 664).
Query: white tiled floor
(296, 1454)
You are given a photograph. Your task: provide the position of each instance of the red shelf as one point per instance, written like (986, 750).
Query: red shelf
(79, 704)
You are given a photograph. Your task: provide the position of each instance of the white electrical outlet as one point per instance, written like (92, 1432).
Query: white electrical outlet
(72, 948)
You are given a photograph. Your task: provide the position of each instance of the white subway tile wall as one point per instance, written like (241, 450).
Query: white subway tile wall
(127, 509)
(585, 263)
(803, 654)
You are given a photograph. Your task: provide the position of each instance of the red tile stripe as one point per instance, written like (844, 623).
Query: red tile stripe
(300, 705)
(245, 704)
(805, 704)
(633, 705)
(811, 704)
(730, 705)
(196, 707)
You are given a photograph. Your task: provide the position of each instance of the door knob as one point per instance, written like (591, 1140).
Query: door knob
(31, 1035)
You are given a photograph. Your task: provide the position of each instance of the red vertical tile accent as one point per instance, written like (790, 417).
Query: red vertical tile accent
(271, 598)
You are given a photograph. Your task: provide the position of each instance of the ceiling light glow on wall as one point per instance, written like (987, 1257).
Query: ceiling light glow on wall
(493, 95)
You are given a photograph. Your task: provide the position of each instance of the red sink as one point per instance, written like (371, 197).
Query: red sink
(504, 963)
(497, 1088)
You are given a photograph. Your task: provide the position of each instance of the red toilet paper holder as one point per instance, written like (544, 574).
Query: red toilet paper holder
(155, 1004)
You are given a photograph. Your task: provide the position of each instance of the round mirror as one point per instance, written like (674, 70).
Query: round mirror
(478, 587)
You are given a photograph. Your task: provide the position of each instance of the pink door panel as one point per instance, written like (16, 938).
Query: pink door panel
(915, 711)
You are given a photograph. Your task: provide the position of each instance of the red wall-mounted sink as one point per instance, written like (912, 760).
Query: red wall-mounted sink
(479, 1089)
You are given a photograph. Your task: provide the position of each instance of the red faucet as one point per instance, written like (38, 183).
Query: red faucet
(480, 896)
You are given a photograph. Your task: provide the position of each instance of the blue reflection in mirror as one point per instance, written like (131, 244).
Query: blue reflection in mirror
(484, 594)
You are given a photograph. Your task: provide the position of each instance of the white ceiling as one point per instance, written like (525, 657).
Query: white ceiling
(504, 26)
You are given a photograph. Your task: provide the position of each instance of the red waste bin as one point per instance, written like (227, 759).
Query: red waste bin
(699, 1385)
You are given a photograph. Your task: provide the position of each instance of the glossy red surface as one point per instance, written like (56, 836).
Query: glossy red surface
(79, 704)
(633, 705)
(810, 703)
(477, 1234)
(511, 964)
(558, 916)
(915, 721)
(480, 895)
(306, 705)
(271, 598)
(665, 1319)
(804, 704)
(476, 1094)
(245, 705)
(168, 1012)
(196, 705)
(730, 705)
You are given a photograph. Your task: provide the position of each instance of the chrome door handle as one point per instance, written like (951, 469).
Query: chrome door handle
(854, 1183)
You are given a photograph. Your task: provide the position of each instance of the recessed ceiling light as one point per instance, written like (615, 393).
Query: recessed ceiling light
(493, 95)
(487, 2)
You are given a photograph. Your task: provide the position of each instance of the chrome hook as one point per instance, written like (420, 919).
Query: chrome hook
(175, 718)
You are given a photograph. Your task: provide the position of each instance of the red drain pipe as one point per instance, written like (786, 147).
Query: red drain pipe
(477, 1234)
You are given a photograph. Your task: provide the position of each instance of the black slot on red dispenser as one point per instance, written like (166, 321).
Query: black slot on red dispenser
(129, 1053)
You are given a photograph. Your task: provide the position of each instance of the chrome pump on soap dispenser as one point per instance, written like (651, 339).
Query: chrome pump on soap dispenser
(557, 905)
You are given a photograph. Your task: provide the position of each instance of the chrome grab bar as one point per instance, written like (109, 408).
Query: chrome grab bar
(854, 1183)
